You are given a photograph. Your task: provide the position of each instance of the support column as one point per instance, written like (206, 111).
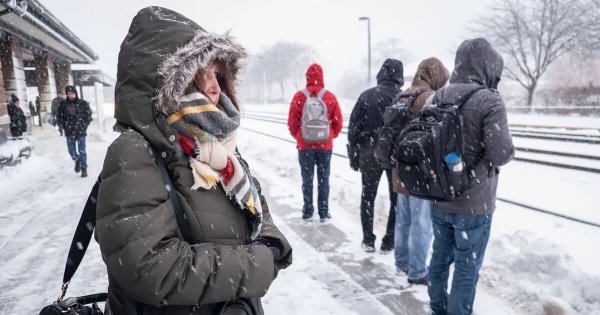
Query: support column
(13, 72)
(63, 77)
(3, 102)
(99, 91)
(46, 83)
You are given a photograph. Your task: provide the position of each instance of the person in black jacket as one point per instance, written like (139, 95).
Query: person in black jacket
(365, 120)
(18, 121)
(74, 115)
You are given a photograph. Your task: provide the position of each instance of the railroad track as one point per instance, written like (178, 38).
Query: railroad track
(283, 121)
(516, 130)
(512, 202)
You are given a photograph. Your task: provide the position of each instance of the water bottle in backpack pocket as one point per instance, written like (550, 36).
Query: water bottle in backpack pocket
(315, 118)
(454, 166)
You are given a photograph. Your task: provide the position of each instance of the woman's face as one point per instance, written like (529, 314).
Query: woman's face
(210, 85)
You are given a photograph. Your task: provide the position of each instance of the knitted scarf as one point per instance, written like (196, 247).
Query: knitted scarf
(208, 136)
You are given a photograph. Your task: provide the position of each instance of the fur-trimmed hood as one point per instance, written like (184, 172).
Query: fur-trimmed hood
(159, 58)
(179, 69)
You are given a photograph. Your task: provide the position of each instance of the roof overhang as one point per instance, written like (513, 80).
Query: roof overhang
(40, 31)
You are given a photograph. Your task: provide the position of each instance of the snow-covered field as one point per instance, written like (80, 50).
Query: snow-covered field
(535, 263)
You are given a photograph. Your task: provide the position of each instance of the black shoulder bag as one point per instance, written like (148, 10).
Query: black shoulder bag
(81, 240)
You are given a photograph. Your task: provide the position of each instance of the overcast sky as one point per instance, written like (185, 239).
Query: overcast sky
(427, 27)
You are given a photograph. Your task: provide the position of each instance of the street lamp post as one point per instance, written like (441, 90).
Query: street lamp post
(366, 18)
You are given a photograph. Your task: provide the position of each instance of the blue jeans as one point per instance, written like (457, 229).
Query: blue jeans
(308, 159)
(413, 235)
(76, 147)
(461, 239)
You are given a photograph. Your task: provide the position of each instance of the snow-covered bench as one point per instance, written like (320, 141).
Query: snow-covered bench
(13, 149)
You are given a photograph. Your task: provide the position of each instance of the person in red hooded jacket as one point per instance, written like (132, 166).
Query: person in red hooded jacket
(309, 152)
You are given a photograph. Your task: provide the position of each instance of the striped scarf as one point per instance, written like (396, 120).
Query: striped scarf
(208, 136)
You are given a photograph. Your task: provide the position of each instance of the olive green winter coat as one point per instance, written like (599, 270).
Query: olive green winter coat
(146, 258)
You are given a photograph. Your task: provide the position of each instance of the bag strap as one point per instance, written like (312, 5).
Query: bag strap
(184, 228)
(321, 93)
(465, 98)
(87, 223)
(415, 93)
(305, 92)
(81, 239)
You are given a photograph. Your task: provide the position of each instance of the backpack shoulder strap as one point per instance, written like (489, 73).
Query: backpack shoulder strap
(467, 96)
(421, 91)
(321, 93)
(305, 92)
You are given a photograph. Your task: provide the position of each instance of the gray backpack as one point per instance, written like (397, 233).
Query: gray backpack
(315, 118)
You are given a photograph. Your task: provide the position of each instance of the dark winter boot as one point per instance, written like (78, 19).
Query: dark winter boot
(77, 167)
(84, 172)
(387, 244)
(422, 280)
(325, 218)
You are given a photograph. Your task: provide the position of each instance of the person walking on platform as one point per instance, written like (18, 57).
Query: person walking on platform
(314, 120)
(461, 227)
(365, 120)
(75, 115)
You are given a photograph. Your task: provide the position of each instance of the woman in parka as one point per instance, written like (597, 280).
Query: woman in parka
(175, 94)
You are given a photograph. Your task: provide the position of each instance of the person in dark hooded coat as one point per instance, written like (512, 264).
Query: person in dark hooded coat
(18, 121)
(175, 94)
(365, 121)
(75, 115)
(461, 228)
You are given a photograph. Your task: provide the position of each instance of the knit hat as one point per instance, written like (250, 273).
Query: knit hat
(70, 88)
(14, 98)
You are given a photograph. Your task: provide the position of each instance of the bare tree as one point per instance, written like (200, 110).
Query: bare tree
(284, 60)
(282, 63)
(389, 48)
(594, 25)
(534, 34)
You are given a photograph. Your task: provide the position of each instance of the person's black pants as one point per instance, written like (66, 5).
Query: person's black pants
(371, 174)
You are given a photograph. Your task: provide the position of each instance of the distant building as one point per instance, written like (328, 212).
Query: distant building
(38, 51)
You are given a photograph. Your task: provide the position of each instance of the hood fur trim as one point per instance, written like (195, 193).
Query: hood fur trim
(178, 70)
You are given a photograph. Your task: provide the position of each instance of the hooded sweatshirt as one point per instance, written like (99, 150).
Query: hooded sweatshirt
(146, 257)
(367, 114)
(314, 84)
(431, 76)
(487, 140)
